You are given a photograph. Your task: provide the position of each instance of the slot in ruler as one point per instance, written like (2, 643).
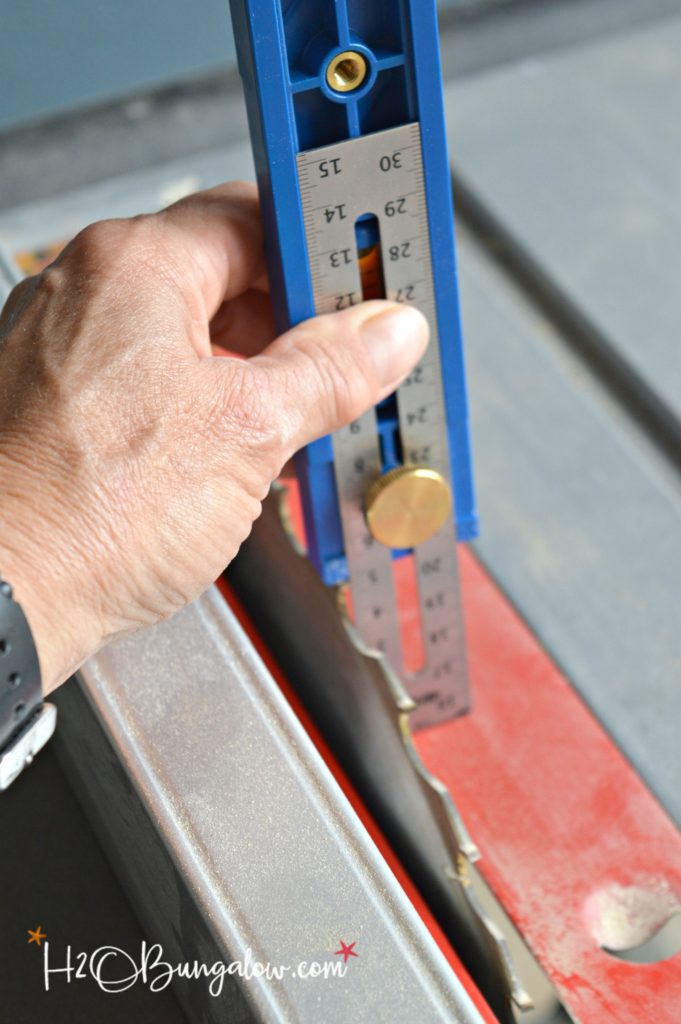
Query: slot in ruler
(346, 118)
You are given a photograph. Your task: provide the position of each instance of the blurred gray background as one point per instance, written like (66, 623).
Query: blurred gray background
(58, 55)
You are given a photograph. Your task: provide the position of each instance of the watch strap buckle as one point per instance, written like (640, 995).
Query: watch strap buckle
(26, 744)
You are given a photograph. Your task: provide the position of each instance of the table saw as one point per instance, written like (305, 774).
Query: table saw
(253, 774)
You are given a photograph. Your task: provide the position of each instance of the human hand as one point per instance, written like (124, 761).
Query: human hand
(132, 462)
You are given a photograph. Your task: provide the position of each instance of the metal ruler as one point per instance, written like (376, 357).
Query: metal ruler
(346, 114)
(382, 174)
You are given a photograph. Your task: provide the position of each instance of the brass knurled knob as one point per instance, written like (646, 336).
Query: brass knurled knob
(407, 506)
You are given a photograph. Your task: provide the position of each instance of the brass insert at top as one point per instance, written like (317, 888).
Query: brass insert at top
(346, 71)
(407, 506)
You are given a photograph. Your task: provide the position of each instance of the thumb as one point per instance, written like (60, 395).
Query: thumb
(328, 371)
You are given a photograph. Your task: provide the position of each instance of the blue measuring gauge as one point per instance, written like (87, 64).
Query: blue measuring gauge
(346, 117)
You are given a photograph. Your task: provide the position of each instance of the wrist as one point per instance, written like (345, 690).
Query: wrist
(37, 563)
(51, 645)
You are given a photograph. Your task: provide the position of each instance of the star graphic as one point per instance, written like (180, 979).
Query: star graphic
(37, 936)
(346, 951)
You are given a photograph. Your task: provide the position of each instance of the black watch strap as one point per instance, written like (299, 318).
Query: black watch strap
(21, 690)
(25, 722)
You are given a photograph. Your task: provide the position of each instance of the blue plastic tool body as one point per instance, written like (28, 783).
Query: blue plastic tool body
(284, 47)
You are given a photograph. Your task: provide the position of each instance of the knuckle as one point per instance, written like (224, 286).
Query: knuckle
(116, 248)
(238, 191)
(51, 281)
(352, 392)
(246, 193)
(246, 188)
(95, 240)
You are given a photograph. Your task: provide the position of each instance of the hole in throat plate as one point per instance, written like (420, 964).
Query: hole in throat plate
(640, 924)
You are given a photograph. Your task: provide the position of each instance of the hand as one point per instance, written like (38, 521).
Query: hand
(132, 462)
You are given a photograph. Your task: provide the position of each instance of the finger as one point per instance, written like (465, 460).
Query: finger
(217, 238)
(328, 371)
(244, 325)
